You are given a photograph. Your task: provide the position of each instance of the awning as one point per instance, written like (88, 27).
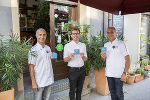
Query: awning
(114, 6)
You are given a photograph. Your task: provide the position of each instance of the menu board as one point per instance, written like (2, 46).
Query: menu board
(118, 23)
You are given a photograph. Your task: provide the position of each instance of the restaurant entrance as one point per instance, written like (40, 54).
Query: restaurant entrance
(52, 16)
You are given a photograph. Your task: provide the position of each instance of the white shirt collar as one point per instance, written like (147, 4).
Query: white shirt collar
(115, 41)
(75, 42)
(39, 45)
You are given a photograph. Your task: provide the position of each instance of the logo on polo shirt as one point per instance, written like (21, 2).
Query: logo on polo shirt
(47, 51)
(114, 47)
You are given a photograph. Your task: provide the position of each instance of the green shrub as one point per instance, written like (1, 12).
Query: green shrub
(141, 71)
(94, 49)
(13, 58)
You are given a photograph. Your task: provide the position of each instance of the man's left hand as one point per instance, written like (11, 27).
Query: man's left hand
(123, 77)
(82, 55)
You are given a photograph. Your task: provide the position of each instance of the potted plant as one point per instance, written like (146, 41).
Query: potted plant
(144, 59)
(130, 78)
(145, 62)
(87, 77)
(13, 58)
(97, 63)
(140, 73)
(84, 30)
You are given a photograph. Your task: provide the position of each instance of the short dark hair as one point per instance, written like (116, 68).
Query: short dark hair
(73, 27)
(112, 28)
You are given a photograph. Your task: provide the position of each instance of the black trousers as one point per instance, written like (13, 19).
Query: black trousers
(76, 79)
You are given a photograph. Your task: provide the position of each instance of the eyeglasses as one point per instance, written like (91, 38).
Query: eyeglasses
(75, 33)
(110, 32)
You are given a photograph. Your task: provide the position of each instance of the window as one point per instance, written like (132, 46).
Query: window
(62, 15)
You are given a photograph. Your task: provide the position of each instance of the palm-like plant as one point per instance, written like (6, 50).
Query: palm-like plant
(93, 50)
(13, 58)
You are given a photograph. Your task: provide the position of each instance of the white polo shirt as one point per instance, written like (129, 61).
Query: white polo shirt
(115, 58)
(76, 61)
(42, 64)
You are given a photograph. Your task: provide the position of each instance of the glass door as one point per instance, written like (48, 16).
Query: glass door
(59, 15)
(62, 14)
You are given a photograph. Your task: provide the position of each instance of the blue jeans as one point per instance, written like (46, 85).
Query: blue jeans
(115, 88)
(43, 93)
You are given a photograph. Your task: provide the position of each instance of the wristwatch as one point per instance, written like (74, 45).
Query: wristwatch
(125, 73)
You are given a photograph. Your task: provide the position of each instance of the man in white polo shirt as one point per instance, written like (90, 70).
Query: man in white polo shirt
(117, 64)
(75, 54)
(40, 67)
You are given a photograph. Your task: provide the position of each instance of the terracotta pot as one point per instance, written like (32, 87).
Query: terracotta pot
(130, 79)
(86, 82)
(147, 67)
(101, 82)
(7, 95)
(138, 77)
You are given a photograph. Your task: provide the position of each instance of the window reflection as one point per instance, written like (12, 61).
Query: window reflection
(62, 15)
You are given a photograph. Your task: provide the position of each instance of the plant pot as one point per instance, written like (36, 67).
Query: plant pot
(86, 82)
(130, 79)
(7, 95)
(101, 82)
(138, 77)
(147, 67)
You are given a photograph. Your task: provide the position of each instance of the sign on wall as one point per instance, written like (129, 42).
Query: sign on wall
(118, 23)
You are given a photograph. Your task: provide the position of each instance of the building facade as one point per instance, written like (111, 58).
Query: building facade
(16, 16)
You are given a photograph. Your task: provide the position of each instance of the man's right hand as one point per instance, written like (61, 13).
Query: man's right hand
(103, 55)
(35, 86)
(66, 59)
(71, 55)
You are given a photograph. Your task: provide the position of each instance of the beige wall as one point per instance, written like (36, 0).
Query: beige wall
(5, 18)
(132, 35)
(15, 17)
(91, 16)
(84, 18)
(96, 20)
(9, 18)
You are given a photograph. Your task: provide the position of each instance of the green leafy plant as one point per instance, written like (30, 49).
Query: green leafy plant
(13, 58)
(67, 28)
(87, 65)
(143, 55)
(144, 61)
(93, 50)
(141, 71)
(42, 17)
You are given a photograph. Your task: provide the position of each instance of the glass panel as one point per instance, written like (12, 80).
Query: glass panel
(145, 33)
(62, 15)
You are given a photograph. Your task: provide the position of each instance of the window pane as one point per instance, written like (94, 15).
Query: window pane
(62, 15)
